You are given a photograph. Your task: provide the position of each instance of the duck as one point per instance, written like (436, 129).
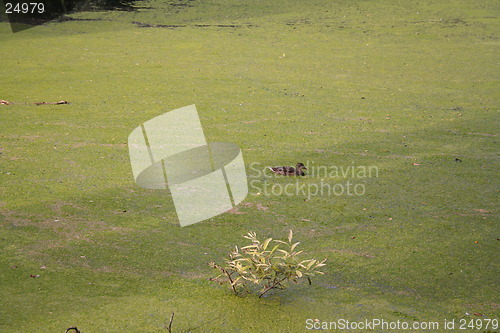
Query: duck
(290, 171)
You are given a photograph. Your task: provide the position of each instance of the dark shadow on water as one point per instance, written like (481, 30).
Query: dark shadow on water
(98, 5)
(25, 15)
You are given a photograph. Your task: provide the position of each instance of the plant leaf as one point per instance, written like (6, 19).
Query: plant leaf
(274, 249)
(290, 236)
(266, 243)
(249, 246)
(310, 264)
(236, 281)
(294, 245)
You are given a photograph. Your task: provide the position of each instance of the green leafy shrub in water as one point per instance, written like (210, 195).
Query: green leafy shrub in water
(270, 264)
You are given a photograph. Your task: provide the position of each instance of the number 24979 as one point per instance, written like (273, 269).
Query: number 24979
(24, 8)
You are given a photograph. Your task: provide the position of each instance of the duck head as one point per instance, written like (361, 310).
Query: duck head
(299, 169)
(300, 166)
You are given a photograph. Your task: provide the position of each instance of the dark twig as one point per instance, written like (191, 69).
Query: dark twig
(55, 103)
(231, 281)
(275, 283)
(169, 328)
(228, 276)
(4, 102)
(72, 328)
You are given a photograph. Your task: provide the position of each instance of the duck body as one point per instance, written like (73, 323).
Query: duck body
(290, 171)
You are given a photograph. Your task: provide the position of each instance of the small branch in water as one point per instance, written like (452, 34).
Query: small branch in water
(275, 283)
(55, 103)
(214, 265)
(72, 328)
(169, 328)
(4, 102)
